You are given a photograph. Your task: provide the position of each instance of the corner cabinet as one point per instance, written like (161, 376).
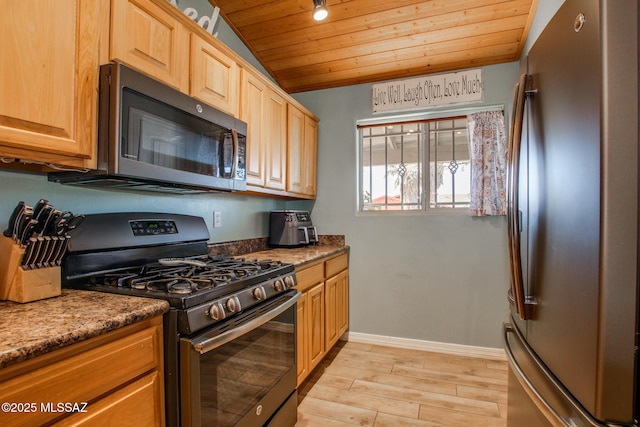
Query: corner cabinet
(83, 374)
(323, 310)
(48, 99)
(302, 141)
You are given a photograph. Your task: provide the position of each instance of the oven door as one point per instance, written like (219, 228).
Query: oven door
(242, 371)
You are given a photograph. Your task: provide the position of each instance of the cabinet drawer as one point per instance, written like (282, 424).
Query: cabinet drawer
(337, 264)
(310, 276)
(140, 404)
(85, 376)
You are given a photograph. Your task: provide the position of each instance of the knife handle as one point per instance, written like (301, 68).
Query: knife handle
(29, 253)
(12, 219)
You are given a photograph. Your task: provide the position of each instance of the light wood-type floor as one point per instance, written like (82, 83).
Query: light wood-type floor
(371, 385)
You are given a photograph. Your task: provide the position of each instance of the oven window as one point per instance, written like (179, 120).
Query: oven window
(161, 135)
(239, 374)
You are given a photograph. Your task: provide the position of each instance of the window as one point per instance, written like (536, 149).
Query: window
(400, 160)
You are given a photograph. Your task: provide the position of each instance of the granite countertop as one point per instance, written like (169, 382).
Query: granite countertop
(298, 256)
(35, 328)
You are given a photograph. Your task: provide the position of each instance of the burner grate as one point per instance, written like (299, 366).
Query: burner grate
(188, 278)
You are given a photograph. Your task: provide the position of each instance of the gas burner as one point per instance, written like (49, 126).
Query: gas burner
(194, 275)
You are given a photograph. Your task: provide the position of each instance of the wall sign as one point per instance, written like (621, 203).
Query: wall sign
(206, 22)
(429, 91)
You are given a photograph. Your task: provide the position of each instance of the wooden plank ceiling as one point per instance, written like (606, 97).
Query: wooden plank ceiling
(364, 41)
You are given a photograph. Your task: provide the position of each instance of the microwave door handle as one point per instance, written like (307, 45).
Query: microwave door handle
(236, 152)
(306, 235)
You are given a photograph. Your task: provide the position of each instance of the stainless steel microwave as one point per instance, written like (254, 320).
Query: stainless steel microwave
(153, 137)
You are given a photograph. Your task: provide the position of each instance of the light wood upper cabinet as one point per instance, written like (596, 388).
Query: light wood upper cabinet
(295, 142)
(49, 84)
(310, 156)
(215, 77)
(254, 99)
(147, 37)
(302, 152)
(276, 143)
(282, 141)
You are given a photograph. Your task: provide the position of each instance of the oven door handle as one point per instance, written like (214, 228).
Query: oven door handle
(204, 344)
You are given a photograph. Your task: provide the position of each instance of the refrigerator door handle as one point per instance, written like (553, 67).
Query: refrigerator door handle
(523, 303)
(547, 409)
(513, 220)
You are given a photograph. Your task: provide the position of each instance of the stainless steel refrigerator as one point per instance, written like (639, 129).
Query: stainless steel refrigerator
(573, 222)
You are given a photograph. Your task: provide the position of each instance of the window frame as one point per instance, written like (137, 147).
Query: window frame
(397, 119)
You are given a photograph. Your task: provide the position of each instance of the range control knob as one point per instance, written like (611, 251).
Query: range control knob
(289, 282)
(233, 304)
(259, 293)
(278, 285)
(216, 311)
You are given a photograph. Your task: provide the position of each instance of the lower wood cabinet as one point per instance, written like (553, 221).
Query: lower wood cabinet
(316, 322)
(136, 404)
(302, 360)
(323, 309)
(112, 379)
(337, 306)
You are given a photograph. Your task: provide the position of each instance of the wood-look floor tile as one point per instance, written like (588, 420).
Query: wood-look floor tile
(309, 420)
(482, 393)
(391, 379)
(335, 381)
(401, 358)
(354, 398)
(452, 418)
(386, 420)
(337, 411)
(374, 385)
(446, 401)
(451, 377)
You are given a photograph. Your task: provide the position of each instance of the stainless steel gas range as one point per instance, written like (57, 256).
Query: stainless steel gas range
(230, 334)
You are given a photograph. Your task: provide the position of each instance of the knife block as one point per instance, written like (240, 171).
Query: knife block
(20, 285)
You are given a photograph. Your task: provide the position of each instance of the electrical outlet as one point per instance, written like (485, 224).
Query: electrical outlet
(217, 219)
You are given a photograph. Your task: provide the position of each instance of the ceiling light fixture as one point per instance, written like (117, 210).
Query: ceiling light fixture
(320, 11)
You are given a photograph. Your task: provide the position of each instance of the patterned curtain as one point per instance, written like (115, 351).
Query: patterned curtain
(488, 150)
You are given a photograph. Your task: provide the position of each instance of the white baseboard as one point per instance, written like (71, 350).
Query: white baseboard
(439, 347)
